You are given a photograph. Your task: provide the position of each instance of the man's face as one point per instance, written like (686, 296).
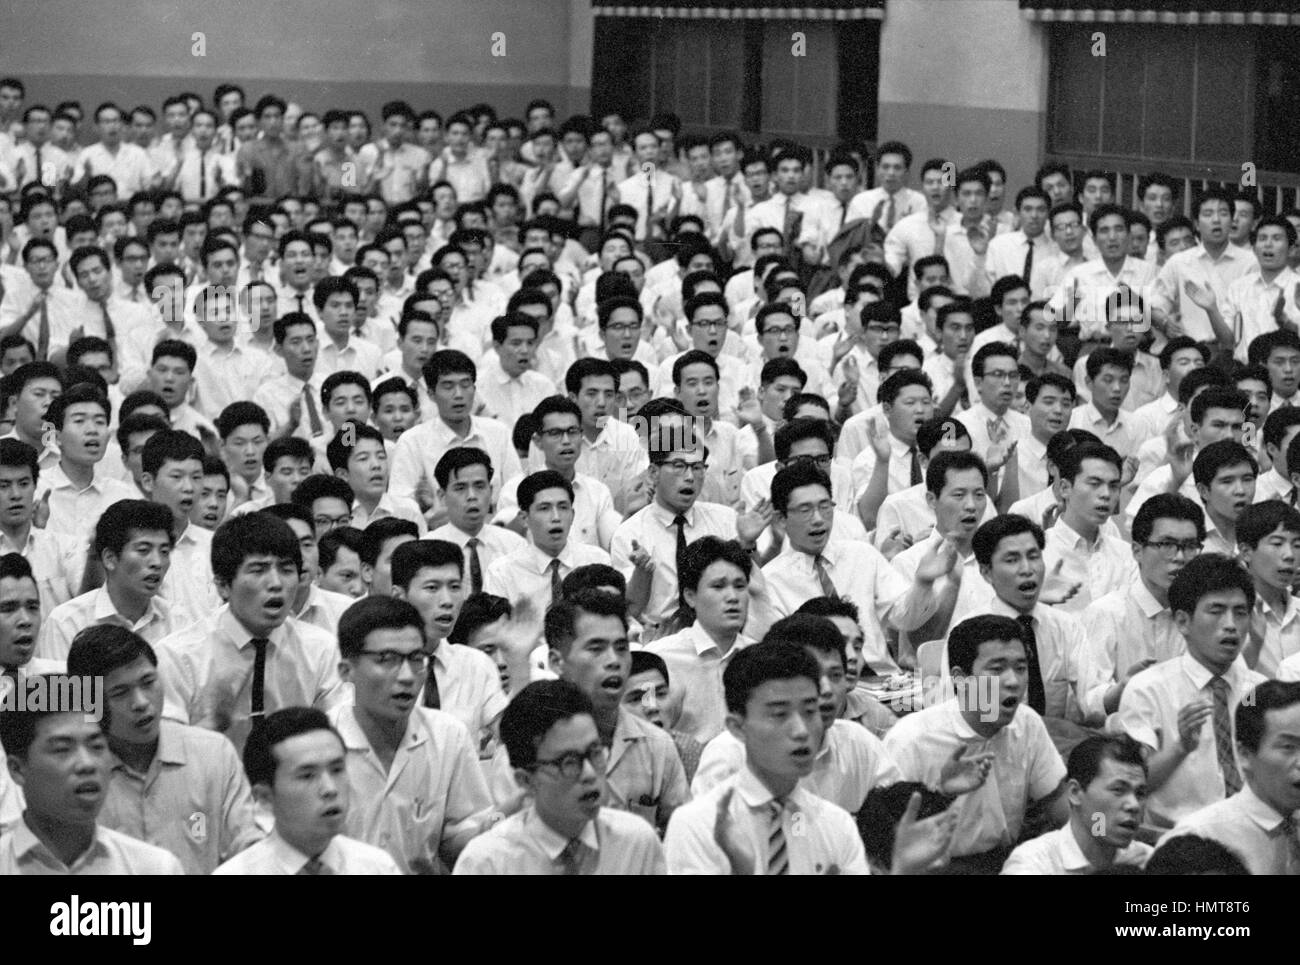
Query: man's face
(1016, 571)
(1003, 663)
(285, 476)
(42, 219)
(781, 727)
(64, 774)
(20, 611)
(454, 396)
(757, 179)
(843, 182)
(1216, 425)
(780, 336)
(1217, 629)
(997, 386)
(960, 507)
(15, 358)
(1214, 222)
(854, 641)
(957, 334)
(913, 406)
(271, 121)
(1049, 413)
(139, 569)
(142, 128)
(310, 793)
(1230, 491)
(1284, 371)
(698, 390)
(1172, 543)
(647, 697)
(394, 413)
(876, 334)
(210, 507)
(297, 264)
(387, 693)
(789, 176)
(1244, 217)
(595, 399)
(516, 352)
(437, 592)
(772, 397)
(418, 345)
(721, 601)
(809, 517)
(558, 440)
(134, 697)
(32, 404)
(832, 690)
(84, 433)
(176, 486)
(1109, 388)
(367, 470)
(94, 279)
(891, 172)
(166, 248)
(632, 393)
(1273, 560)
(622, 334)
(260, 594)
(242, 451)
(934, 185)
(1271, 247)
(346, 574)
(1039, 334)
(1067, 232)
(1257, 391)
(1112, 805)
(329, 513)
(1095, 191)
(1094, 493)
(1274, 769)
(467, 495)
(458, 136)
(336, 314)
(549, 519)
(562, 801)
(972, 197)
(598, 661)
(1033, 216)
(299, 351)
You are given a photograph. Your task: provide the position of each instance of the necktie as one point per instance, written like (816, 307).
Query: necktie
(649, 205)
(680, 522)
(604, 196)
(313, 414)
(257, 698)
(889, 213)
(791, 223)
(1292, 836)
(203, 176)
(300, 303)
(432, 697)
(1037, 694)
(475, 567)
(1029, 262)
(824, 578)
(109, 333)
(844, 212)
(1223, 736)
(554, 567)
(40, 168)
(726, 197)
(778, 859)
(570, 858)
(315, 867)
(1295, 492)
(916, 466)
(43, 332)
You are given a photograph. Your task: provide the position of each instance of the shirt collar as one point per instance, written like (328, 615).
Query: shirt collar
(664, 516)
(551, 841)
(755, 793)
(354, 738)
(542, 561)
(1258, 810)
(1148, 604)
(1200, 675)
(292, 860)
(239, 635)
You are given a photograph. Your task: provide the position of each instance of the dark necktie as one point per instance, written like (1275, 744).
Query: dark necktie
(604, 196)
(257, 698)
(554, 567)
(1029, 262)
(824, 578)
(300, 303)
(43, 331)
(1223, 736)
(778, 858)
(649, 205)
(916, 466)
(110, 334)
(313, 413)
(889, 214)
(475, 567)
(40, 168)
(570, 859)
(844, 212)
(203, 176)
(680, 522)
(432, 697)
(316, 867)
(1037, 693)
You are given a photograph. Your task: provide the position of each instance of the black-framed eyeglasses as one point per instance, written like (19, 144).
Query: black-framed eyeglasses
(1169, 548)
(821, 462)
(570, 765)
(681, 466)
(391, 660)
(555, 435)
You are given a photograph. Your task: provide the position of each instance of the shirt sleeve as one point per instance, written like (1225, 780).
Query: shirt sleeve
(1046, 769)
(1096, 662)
(467, 794)
(238, 829)
(689, 848)
(404, 475)
(1139, 715)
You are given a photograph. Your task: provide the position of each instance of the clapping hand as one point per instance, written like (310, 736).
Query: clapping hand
(920, 845)
(640, 558)
(751, 523)
(733, 846)
(965, 772)
(1057, 588)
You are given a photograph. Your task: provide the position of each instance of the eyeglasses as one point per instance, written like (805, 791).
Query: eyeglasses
(333, 522)
(1002, 376)
(805, 511)
(780, 331)
(681, 466)
(393, 659)
(710, 326)
(44, 260)
(555, 435)
(821, 462)
(1169, 548)
(622, 329)
(570, 765)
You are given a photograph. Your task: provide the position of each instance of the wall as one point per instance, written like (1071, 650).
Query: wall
(321, 53)
(965, 80)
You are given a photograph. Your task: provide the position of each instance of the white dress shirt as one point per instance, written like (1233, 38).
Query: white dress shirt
(74, 511)
(1026, 768)
(1125, 627)
(594, 517)
(613, 843)
(494, 542)
(188, 588)
(506, 398)
(95, 609)
(419, 449)
(906, 201)
(1100, 568)
(1251, 829)
(129, 167)
(1196, 264)
(342, 856)
(1006, 256)
(1096, 284)
(977, 418)
(695, 666)
(227, 374)
(357, 355)
(827, 841)
(1281, 633)
(637, 190)
(1148, 712)
(899, 471)
(913, 239)
(1058, 853)
(110, 853)
(1254, 300)
(525, 573)
(469, 688)
(57, 561)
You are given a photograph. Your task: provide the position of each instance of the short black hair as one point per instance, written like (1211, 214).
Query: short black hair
(171, 445)
(986, 539)
(277, 727)
(1206, 574)
(1250, 715)
(754, 666)
(375, 613)
(531, 714)
(458, 458)
(707, 550)
(1190, 854)
(1087, 757)
(592, 576)
(535, 483)
(410, 558)
(322, 486)
(253, 534)
(380, 531)
(98, 650)
(561, 624)
(1166, 506)
(787, 480)
(478, 610)
(117, 522)
(966, 638)
(951, 460)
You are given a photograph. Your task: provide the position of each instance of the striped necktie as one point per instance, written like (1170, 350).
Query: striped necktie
(778, 859)
(1223, 736)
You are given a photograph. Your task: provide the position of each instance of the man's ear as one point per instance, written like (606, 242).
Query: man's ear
(689, 596)
(146, 483)
(108, 560)
(223, 589)
(16, 763)
(345, 669)
(1182, 620)
(367, 574)
(399, 592)
(262, 794)
(524, 778)
(736, 726)
(555, 660)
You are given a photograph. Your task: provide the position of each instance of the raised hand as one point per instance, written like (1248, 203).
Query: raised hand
(940, 559)
(640, 558)
(919, 845)
(751, 523)
(733, 845)
(749, 411)
(1130, 471)
(1191, 718)
(1057, 588)
(979, 241)
(964, 772)
(41, 513)
(999, 455)
(1202, 296)
(896, 542)
(878, 433)
(847, 393)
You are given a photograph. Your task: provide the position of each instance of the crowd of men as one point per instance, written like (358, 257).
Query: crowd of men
(526, 496)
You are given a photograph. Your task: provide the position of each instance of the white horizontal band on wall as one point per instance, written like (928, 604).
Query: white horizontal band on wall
(1172, 18)
(749, 13)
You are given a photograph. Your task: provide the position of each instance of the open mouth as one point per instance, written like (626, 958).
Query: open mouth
(145, 722)
(153, 582)
(590, 798)
(446, 620)
(801, 753)
(555, 532)
(88, 790)
(275, 604)
(404, 698)
(612, 683)
(333, 812)
(1027, 587)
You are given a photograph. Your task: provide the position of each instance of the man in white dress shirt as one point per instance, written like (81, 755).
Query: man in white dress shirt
(508, 385)
(1017, 252)
(296, 764)
(891, 199)
(1268, 544)
(1258, 823)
